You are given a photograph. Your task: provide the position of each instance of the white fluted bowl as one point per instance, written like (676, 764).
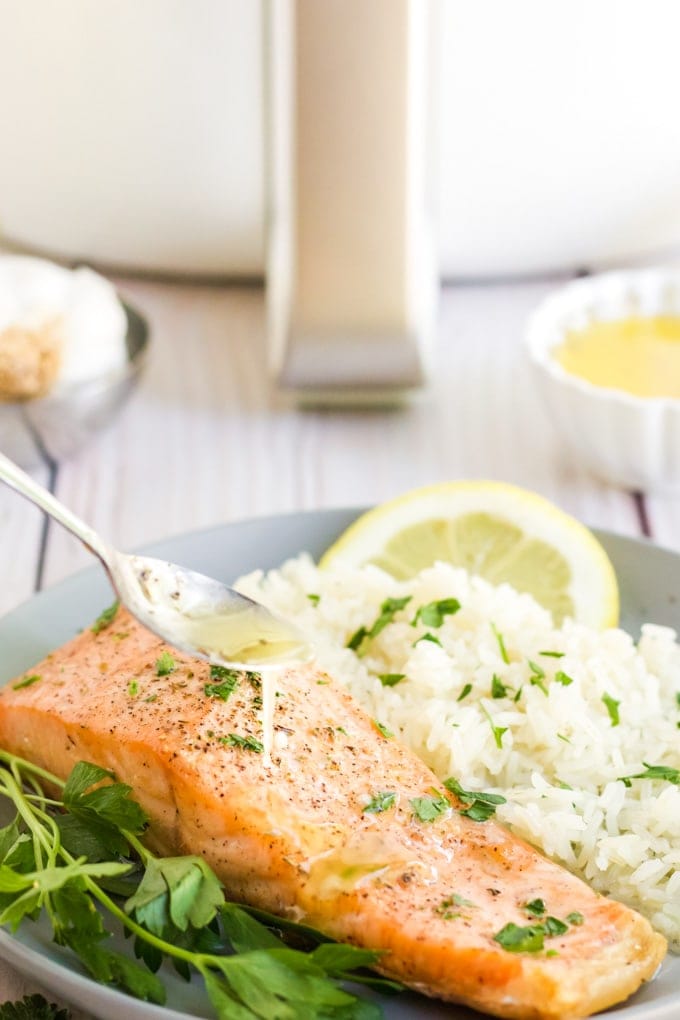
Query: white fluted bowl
(630, 441)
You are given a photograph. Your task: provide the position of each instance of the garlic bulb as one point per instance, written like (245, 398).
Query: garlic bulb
(58, 327)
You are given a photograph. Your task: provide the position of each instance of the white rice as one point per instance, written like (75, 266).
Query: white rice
(561, 757)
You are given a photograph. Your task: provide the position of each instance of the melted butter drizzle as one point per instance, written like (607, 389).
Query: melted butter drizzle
(268, 689)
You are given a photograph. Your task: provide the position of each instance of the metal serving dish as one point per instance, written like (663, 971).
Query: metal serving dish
(52, 428)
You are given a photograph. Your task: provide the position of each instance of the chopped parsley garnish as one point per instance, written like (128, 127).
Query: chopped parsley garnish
(478, 806)
(245, 743)
(497, 731)
(498, 689)
(563, 678)
(314, 599)
(133, 688)
(105, 618)
(537, 676)
(677, 698)
(530, 939)
(381, 728)
(434, 613)
(501, 644)
(446, 907)
(391, 679)
(518, 939)
(670, 775)
(227, 682)
(380, 802)
(224, 673)
(165, 664)
(221, 691)
(357, 639)
(27, 681)
(464, 693)
(553, 655)
(612, 706)
(429, 808)
(554, 927)
(388, 611)
(428, 637)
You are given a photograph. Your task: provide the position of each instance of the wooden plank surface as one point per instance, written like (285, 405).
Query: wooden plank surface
(663, 517)
(205, 440)
(21, 529)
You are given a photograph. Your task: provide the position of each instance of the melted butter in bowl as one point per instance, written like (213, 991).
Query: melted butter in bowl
(640, 356)
(605, 351)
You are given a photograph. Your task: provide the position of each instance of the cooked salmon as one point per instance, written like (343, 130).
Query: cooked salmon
(341, 826)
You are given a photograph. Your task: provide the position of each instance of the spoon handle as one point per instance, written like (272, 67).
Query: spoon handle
(22, 483)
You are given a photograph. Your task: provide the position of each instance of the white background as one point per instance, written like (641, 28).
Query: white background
(134, 131)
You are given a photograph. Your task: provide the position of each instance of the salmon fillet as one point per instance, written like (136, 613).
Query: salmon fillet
(291, 834)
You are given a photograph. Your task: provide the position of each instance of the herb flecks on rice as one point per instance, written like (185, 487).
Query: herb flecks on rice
(576, 729)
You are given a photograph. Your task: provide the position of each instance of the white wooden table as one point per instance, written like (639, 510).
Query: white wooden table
(205, 440)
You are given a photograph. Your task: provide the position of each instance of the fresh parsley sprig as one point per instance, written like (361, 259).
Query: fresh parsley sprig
(79, 859)
(33, 1007)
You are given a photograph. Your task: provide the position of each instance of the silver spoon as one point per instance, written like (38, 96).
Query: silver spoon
(190, 611)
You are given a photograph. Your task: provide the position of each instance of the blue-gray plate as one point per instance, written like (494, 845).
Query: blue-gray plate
(649, 578)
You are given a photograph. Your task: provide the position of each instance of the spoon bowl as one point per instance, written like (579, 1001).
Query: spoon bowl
(198, 614)
(192, 612)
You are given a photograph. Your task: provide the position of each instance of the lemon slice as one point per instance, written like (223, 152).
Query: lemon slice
(498, 531)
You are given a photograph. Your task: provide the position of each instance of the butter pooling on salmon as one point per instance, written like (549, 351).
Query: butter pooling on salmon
(324, 830)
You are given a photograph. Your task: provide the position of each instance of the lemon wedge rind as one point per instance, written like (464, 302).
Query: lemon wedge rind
(502, 532)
